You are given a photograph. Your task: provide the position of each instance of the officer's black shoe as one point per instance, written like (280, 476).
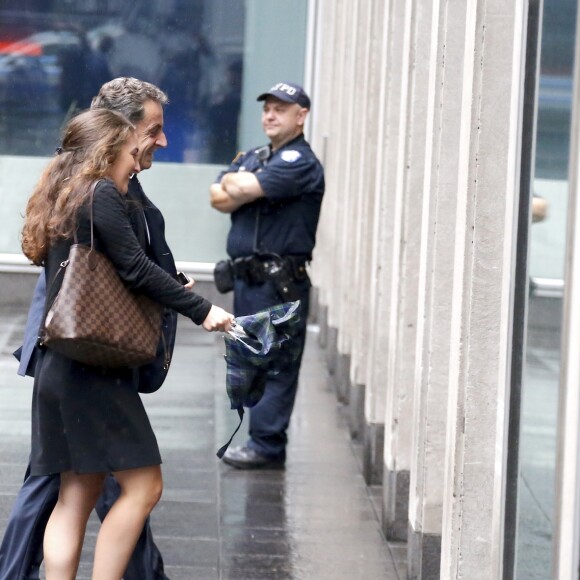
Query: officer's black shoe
(247, 458)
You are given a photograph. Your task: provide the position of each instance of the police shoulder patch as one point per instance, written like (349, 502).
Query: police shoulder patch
(238, 156)
(290, 155)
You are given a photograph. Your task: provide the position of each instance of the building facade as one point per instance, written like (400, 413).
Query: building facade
(440, 308)
(447, 305)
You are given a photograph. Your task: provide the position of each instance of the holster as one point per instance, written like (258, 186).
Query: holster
(282, 276)
(223, 276)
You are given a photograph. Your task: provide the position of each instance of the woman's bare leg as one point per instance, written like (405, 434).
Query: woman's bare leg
(140, 491)
(65, 531)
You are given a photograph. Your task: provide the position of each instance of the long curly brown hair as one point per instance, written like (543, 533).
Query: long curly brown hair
(91, 143)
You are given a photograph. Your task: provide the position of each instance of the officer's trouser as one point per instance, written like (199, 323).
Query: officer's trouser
(270, 418)
(21, 549)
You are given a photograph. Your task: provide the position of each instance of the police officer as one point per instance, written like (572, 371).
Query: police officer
(273, 194)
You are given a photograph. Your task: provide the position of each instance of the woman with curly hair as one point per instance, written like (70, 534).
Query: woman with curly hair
(89, 421)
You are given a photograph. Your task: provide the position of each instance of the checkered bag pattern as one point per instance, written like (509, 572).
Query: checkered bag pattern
(260, 344)
(95, 319)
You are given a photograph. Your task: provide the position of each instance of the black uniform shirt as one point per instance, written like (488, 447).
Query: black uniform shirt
(293, 183)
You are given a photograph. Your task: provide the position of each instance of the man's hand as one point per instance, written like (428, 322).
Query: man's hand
(218, 319)
(539, 209)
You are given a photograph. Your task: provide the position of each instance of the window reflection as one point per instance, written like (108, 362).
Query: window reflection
(539, 403)
(54, 55)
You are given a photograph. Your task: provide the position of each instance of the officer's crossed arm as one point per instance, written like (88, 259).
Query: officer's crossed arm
(235, 190)
(220, 200)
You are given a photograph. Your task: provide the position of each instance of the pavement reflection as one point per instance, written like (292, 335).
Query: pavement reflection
(313, 520)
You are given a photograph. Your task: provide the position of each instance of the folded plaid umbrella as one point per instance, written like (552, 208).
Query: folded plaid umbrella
(259, 345)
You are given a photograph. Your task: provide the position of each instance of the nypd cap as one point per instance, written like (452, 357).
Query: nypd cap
(288, 92)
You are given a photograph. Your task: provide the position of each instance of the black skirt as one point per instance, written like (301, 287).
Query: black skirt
(87, 420)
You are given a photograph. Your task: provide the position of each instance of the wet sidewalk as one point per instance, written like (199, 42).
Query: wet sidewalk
(315, 520)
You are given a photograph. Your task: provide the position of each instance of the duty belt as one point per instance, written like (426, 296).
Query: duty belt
(256, 269)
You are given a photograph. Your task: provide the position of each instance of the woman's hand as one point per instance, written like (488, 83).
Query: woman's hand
(218, 319)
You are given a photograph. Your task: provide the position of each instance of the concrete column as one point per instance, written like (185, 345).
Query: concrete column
(357, 308)
(332, 214)
(383, 143)
(346, 240)
(405, 296)
(371, 35)
(381, 265)
(337, 219)
(398, 402)
(322, 133)
(443, 95)
(325, 111)
(484, 256)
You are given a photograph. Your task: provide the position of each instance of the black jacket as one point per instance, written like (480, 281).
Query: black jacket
(139, 249)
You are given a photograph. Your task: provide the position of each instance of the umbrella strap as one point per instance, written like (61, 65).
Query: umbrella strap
(223, 449)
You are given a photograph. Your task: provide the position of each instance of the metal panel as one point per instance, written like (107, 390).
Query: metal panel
(567, 524)
(520, 303)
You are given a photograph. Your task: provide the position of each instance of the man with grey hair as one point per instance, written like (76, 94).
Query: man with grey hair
(21, 549)
(142, 103)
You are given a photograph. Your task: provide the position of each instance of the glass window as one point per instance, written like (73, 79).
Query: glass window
(540, 388)
(212, 58)
(54, 56)
(553, 137)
